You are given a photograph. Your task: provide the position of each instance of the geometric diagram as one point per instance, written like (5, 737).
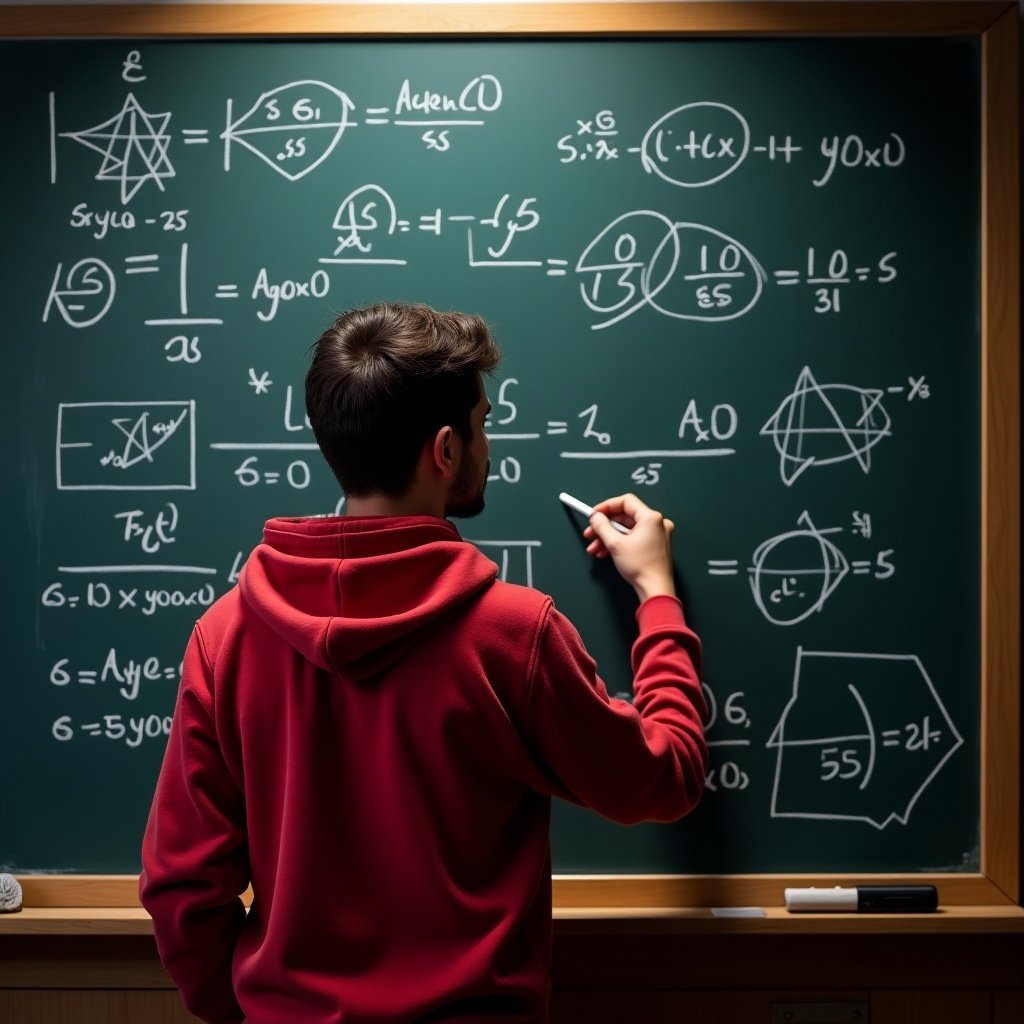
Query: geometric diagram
(133, 145)
(702, 134)
(126, 446)
(695, 272)
(817, 425)
(84, 295)
(356, 216)
(515, 561)
(292, 128)
(861, 738)
(798, 571)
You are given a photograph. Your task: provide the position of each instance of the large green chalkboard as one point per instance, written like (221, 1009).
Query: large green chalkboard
(740, 277)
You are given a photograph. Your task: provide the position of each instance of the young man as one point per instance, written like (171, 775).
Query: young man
(370, 727)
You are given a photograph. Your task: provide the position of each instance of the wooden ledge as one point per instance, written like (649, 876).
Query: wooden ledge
(958, 920)
(953, 920)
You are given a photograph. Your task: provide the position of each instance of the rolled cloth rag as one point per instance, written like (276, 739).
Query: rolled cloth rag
(10, 894)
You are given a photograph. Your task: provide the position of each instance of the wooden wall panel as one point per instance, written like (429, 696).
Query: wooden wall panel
(92, 1007)
(949, 1007)
(1008, 1007)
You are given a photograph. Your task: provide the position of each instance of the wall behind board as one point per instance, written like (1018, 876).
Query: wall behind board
(740, 277)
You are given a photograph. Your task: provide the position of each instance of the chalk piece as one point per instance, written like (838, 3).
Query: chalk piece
(738, 912)
(10, 894)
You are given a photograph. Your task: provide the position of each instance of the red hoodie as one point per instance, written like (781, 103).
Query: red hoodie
(369, 731)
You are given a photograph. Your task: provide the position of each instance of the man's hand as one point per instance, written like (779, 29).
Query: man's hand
(643, 556)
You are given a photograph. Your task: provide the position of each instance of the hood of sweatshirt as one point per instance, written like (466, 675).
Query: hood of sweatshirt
(353, 595)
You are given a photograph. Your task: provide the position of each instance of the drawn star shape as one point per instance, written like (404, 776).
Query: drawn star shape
(262, 383)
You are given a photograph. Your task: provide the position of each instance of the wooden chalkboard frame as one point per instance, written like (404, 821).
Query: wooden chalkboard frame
(995, 23)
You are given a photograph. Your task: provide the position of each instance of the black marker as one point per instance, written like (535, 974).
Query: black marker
(873, 899)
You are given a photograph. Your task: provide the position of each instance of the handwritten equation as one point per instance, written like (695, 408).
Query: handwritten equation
(641, 259)
(619, 226)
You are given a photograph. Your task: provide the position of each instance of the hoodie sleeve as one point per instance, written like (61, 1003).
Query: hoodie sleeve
(644, 761)
(194, 855)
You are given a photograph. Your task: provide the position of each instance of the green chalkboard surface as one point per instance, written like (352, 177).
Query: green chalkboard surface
(739, 277)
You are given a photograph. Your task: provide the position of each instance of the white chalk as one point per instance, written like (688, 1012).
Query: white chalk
(10, 894)
(587, 510)
(738, 912)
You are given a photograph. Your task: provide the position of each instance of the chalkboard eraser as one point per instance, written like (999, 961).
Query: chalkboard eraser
(871, 899)
(10, 894)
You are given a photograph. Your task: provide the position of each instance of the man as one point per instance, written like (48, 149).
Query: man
(370, 726)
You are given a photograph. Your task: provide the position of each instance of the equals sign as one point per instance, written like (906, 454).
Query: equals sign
(195, 136)
(863, 273)
(558, 427)
(170, 673)
(271, 478)
(87, 677)
(403, 225)
(227, 291)
(861, 568)
(556, 268)
(142, 264)
(93, 728)
(723, 567)
(891, 738)
(431, 222)
(787, 276)
(376, 118)
(72, 601)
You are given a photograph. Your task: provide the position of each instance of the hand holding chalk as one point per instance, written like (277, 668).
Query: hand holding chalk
(637, 538)
(586, 510)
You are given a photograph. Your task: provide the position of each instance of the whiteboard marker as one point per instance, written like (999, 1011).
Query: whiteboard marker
(586, 510)
(872, 899)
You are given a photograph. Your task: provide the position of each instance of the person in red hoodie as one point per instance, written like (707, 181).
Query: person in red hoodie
(371, 726)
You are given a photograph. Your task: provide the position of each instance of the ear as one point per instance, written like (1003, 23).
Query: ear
(444, 451)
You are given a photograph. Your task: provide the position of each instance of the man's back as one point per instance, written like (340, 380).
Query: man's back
(384, 724)
(370, 728)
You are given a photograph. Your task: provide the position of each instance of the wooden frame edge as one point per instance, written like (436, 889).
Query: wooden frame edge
(355, 19)
(996, 22)
(1000, 485)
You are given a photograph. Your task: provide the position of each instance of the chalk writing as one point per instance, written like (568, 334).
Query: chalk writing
(846, 751)
(706, 295)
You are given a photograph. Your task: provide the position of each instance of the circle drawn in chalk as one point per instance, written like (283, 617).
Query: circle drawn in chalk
(690, 256)
(621, 261)
(84, 295)
(793, 574)
(685, 145)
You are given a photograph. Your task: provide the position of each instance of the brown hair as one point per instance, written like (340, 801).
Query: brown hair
(386, 378)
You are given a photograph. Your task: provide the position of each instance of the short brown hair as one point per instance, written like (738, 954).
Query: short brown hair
(383, 380)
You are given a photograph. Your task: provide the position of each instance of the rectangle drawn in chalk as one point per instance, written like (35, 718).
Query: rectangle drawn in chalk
(126, 446)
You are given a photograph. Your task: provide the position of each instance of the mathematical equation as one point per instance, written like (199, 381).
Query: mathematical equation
(641, 259)
(152, 445)
(295, 127)
(793, 574)
(859, 736)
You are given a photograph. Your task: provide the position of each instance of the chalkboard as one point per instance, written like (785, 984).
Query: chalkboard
(740, 277)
